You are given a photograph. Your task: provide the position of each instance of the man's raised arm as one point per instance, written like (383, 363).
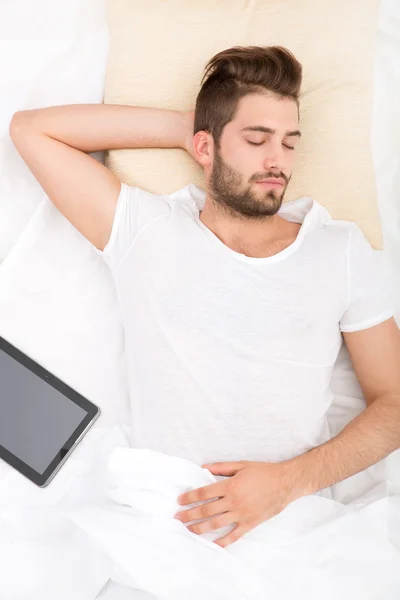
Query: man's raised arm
(55, 141)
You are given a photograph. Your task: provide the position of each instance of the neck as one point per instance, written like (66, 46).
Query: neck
(243, 234)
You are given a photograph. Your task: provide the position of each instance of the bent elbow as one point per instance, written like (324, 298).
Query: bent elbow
(21, 118)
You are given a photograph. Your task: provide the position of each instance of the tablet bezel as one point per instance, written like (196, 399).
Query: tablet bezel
(93, 412)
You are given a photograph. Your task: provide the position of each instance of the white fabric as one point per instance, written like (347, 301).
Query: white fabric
(57, 299)
(111, 511)
(384, 137)
(58, 305)
(386, 153)
(51, 52)
(234, 350)
(58, 302)
(116, 591)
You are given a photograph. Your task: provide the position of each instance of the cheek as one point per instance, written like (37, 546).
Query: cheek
(235, 162)
(245, 162)
(292, 159)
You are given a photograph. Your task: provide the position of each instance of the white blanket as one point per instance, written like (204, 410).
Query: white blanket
(110, 513)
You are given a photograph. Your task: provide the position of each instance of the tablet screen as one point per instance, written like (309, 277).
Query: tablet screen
(42, 419)
(35, 419)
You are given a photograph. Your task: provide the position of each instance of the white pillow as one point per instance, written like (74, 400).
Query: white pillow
(55, 54)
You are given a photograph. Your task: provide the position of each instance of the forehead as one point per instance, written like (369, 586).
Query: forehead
(270, 111)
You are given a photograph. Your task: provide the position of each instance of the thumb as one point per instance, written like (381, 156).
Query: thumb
(224, 468)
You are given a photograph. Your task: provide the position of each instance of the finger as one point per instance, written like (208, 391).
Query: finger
(223, 468)
(212, 524)
(231, 537)
(204, 511)
(214, 490)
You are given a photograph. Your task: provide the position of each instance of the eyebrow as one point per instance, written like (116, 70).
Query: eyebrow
(269, 130)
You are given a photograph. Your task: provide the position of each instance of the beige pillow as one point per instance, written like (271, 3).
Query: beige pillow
(158, 51)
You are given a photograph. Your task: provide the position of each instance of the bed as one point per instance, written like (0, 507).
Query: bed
(57, 53)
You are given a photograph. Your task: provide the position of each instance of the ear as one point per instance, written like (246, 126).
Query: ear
(203, 146)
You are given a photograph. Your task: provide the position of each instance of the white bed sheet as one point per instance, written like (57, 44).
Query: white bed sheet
(115, 591)
(55, 52)
(385, 135)
(386, 153)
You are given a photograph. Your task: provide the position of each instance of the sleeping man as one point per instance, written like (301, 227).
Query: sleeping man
(235, 305)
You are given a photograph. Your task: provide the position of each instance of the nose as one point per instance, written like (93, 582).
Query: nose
(274, 156)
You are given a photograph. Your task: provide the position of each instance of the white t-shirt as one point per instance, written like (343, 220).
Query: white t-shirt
(230, 357)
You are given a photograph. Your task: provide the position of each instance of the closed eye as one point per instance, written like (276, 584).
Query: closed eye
(260, 144)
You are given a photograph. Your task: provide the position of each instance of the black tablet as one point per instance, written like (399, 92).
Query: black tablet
(42, 419)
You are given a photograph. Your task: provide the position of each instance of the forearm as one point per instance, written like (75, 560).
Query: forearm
(366, 440)
(94, 127)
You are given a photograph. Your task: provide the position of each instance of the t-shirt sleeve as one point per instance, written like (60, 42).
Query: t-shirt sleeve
(369, 300)
(136, 209)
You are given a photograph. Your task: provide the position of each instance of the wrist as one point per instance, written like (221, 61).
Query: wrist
(299, 475)
(188, 125)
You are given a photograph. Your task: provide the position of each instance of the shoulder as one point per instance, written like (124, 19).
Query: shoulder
(146, 202)
(345, 235)
(189, 198)
(351, 235)
(346, 228)
(331, 237)
(338, 242)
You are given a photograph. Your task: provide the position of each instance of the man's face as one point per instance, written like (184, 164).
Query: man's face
(249, 154)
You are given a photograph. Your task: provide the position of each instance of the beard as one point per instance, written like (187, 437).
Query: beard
(226, 190)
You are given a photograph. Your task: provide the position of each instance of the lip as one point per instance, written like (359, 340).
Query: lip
(271, 182)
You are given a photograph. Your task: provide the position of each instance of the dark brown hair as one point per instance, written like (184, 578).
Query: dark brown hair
(238, 71)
